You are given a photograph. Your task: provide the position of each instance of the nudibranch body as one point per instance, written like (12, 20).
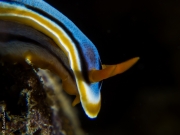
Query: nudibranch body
(35, 32)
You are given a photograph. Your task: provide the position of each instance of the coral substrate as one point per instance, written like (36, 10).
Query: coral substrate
(28, 106)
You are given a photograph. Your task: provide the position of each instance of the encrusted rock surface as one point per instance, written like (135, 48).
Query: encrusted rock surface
(33, 105)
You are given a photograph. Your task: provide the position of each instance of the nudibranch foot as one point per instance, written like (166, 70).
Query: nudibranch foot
(37, 57)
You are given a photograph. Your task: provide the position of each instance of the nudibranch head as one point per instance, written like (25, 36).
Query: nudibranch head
(42, 36)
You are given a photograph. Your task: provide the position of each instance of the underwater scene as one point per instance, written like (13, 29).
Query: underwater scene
(89, 67)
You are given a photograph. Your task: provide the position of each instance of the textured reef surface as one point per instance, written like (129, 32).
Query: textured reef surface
(33, 103)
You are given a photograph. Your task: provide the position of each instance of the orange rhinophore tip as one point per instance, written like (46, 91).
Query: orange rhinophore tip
(111, 70)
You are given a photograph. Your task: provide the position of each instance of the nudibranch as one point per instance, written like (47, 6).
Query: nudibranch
(32, 31)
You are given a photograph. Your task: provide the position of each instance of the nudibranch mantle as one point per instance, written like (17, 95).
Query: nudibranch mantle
(83, 58)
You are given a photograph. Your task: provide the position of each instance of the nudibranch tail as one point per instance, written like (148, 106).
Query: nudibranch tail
(111, 70)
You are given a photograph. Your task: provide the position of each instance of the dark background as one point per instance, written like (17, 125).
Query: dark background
(146, 99)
